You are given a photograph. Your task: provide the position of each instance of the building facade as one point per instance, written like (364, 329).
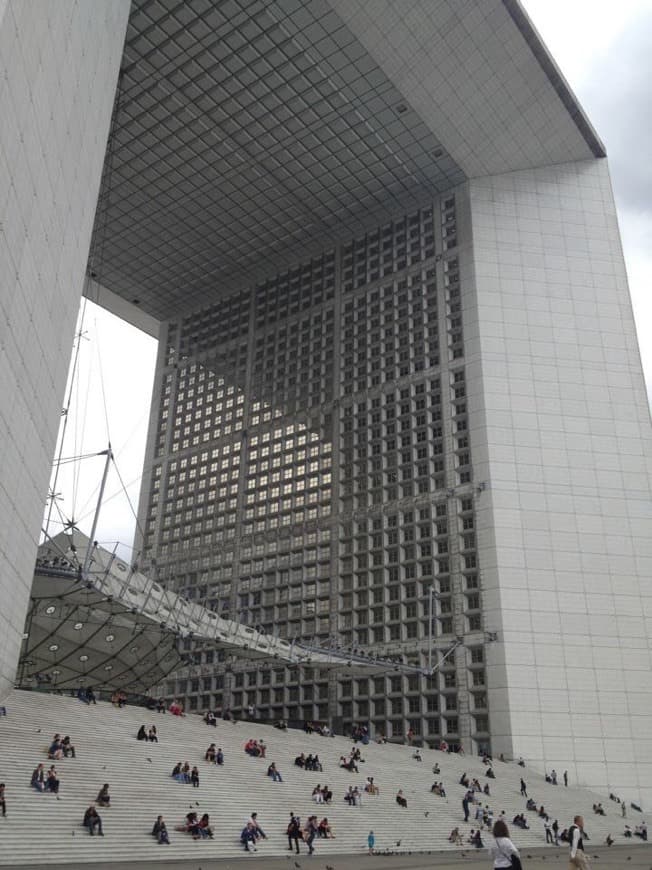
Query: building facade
(397, 360)
(312, 475)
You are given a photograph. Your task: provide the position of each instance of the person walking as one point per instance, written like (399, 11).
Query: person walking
(465, 806)
(371, 842)
(3, 800)
(547, 826)
(523, 788)
(577, 857)
(502, 851)
(566, 778)
(311, 833)
(294, 832)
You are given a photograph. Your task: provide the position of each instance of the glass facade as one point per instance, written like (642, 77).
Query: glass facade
(311, 475)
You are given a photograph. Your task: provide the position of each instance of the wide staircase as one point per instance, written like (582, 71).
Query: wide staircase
(41, 829)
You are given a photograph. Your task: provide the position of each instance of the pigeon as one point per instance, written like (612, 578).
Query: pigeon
(150, 760)
(398, 842)
(296, 864)
(426, 814)
(104, 768)
(329, 868)
(38, 731)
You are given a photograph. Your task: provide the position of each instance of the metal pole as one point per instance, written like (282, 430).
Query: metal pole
(109, 456)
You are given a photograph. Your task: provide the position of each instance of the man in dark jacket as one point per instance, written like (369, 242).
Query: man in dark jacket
(294, 832)
(92, 820)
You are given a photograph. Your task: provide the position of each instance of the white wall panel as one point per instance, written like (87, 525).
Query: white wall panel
(559, 401)
(58, 70)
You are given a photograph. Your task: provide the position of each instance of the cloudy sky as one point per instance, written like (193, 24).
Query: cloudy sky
(605, 52)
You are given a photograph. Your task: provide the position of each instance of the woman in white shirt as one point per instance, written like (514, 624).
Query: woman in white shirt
(502, 850)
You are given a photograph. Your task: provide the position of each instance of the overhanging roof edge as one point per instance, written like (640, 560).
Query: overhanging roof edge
(563, 90)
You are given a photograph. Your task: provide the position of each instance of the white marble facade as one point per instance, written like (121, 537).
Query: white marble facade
(561, 434)
(58, 69)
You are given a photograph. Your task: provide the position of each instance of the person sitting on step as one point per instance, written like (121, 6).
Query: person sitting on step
(103, 798)
(371, 787)
(252, 748)
(248, 837)
(455, 837)
(400, 799)
(192, 825)
(38, 778)
(160, 831)
(52, 781)
(55, 750)
(92, 820)
(210, 753)
(325, 830)
(142, 733)
(152, 734)
(204, 827)
(67, 747)
(273, 773)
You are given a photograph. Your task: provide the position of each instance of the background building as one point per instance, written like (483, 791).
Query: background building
(397, 353)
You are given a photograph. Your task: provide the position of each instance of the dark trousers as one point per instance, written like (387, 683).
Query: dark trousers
(296, 842)
(549, 837)
(311, 837)
(92, 823)
(3, 804)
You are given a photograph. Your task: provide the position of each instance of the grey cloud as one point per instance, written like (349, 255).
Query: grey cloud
(618, 98)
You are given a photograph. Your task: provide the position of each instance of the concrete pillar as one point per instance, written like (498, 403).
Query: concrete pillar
(59, 65)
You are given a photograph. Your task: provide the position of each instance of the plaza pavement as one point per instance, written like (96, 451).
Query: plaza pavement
(602, 858)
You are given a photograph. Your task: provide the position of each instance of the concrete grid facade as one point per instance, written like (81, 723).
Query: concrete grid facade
(311, 475)
(397, 351)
